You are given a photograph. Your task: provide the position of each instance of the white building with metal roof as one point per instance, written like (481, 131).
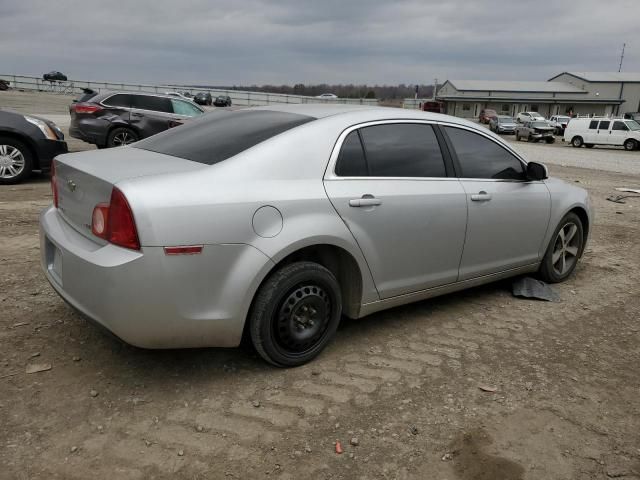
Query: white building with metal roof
(625, 86)
(566, 93)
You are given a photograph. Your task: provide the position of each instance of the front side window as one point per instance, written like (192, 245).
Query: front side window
(351, 162)
(619, 126)
(402, 150)
(604, 125)
(185, 108)
(155, 104)
(480, 157)
(593, 125)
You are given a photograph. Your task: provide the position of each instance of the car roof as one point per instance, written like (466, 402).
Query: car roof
(354, 114)
(108, 93)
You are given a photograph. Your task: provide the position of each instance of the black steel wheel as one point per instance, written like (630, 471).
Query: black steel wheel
(295, 314)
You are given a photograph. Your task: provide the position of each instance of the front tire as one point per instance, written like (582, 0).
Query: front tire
(295, 314)
(16, 161)
(630, 145)
(563, 251)
(577, 142)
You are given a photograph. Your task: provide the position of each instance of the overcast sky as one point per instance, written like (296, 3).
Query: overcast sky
(243, 42)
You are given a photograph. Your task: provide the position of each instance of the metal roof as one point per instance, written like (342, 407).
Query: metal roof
(604, 76)
(514, 86)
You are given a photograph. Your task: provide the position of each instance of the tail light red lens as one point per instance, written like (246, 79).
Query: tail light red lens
(54, 185)
(114, 222)
(86, 108)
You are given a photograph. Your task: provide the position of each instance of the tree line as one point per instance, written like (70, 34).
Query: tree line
(380, 92)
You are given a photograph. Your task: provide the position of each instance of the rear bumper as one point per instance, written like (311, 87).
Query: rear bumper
(148, 299)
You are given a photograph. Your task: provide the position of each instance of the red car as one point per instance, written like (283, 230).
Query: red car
(487, 114)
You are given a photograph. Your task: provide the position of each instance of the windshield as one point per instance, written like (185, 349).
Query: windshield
(216, 136)
(633, 125)
(506, 120)
(539, 124)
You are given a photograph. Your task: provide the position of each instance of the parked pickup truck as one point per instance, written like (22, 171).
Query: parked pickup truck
(535, 131)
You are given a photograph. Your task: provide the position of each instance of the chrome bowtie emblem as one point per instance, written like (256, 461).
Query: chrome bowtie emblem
(71, 185)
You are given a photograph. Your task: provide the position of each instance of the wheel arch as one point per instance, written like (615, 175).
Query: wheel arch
(582, 214)
(338, 261)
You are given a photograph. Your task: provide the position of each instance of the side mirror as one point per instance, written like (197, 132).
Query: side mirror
(537, 171)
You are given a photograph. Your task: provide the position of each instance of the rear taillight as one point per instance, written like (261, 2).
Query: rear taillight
(86, 108)
(54, 185)
(114, 222)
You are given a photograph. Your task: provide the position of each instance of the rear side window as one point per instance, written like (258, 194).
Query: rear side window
(351, 162)
(619, 126)
(216, 136)
(604, 125)
(593, 125)
(480, 157)
(402, 150)
(118, 100)
(155, 104)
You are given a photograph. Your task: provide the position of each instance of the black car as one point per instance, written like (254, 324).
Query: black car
(27, 143)
(222, 101)
(114, 119)
(203, 98)
(54, 77)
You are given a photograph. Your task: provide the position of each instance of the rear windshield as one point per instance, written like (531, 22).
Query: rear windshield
(216, 136)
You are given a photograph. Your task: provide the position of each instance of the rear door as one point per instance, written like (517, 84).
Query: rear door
(151, 114)
(395, 191)
(508, 215)
(602, 134)
(591, 134)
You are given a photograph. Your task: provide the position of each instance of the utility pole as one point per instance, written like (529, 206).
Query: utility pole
(435, 87)
(621, 57)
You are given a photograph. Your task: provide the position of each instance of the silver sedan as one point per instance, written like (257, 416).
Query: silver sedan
(276, 221)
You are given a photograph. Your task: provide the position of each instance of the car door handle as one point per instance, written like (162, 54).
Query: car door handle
(365, 201)
(481, 197)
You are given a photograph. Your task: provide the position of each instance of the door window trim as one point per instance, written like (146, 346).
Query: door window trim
(330, 173)
(458, 167)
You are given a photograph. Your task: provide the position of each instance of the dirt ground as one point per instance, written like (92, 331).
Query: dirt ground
(473, 385)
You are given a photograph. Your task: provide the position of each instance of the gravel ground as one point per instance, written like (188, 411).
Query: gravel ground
(473, 385)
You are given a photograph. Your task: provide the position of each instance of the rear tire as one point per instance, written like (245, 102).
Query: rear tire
(577, 142)
(121, 136)
(295, 314)
(16, 161)
(630, 144)
(563, 251)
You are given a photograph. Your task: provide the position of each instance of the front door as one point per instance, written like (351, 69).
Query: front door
(619, 133)
(508, 215)
(390, 186)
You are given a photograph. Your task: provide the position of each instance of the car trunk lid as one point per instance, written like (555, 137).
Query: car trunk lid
(85, 179)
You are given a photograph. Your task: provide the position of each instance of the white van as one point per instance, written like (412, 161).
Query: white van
(603, 131)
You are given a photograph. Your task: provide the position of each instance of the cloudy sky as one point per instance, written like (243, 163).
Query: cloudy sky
(243, 42)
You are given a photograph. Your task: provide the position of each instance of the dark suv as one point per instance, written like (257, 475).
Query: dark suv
(119, 118)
